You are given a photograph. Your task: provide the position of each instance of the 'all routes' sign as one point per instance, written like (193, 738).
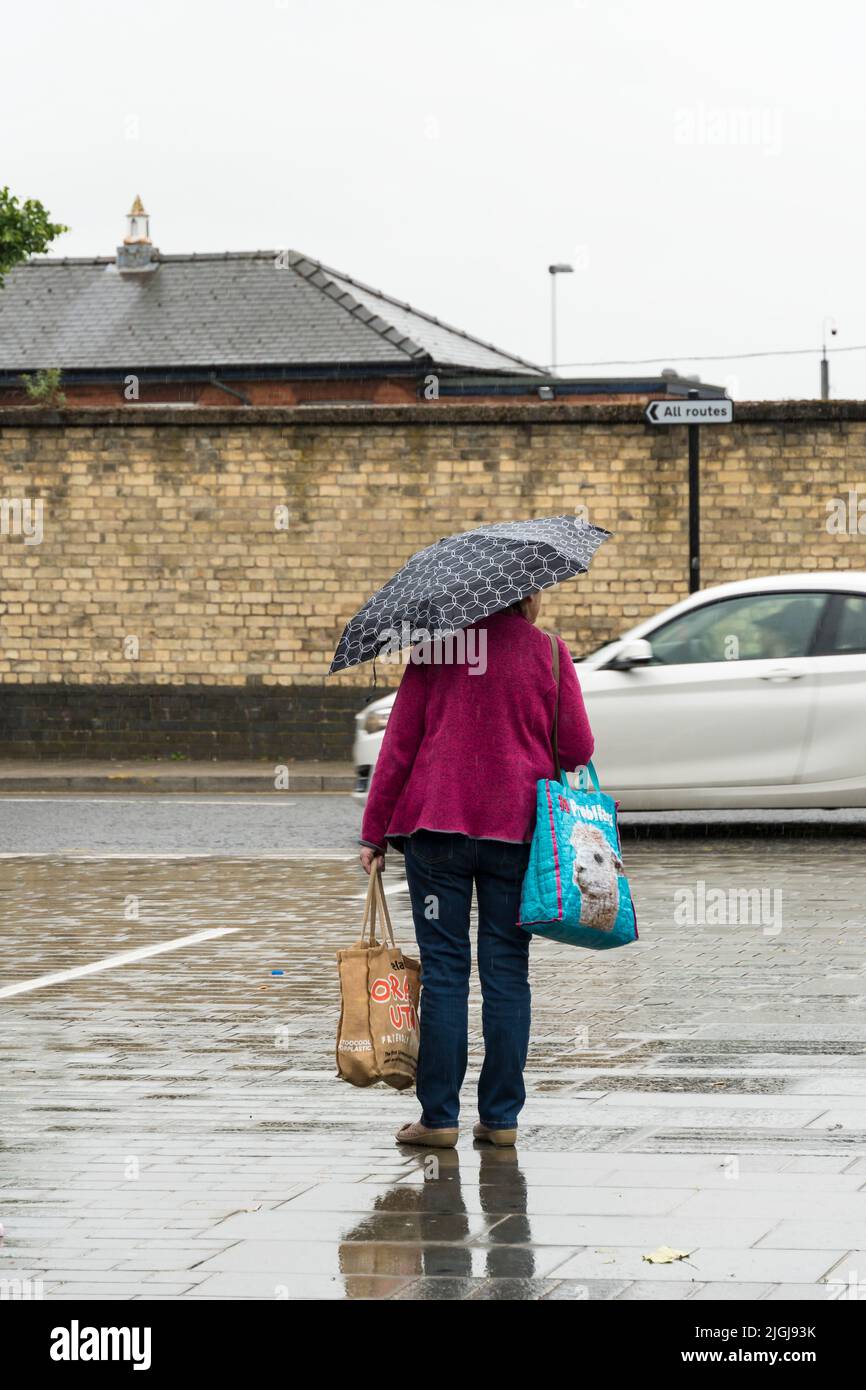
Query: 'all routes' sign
(707, 412)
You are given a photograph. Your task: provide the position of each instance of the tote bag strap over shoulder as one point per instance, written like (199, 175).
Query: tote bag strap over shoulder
(554, 737)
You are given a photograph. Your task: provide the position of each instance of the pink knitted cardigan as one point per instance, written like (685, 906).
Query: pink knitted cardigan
(463, 751)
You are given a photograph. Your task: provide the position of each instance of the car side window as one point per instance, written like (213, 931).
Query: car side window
(851, 627)
(753, 627)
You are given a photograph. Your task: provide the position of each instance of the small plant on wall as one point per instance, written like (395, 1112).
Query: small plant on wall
(43, 387)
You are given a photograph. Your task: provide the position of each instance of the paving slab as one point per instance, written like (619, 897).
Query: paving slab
(667, 1229)
(649, 1291)
(809, 1234)
(799, 1293)
(738, 1292)
(490, 1198)
(732, 1201)
(744, 1266)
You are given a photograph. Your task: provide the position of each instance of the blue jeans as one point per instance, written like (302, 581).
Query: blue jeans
(441, 869)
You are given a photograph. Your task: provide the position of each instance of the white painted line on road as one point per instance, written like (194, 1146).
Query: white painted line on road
(317, 856)
(110, 798)
(390, 890)
(112, 962)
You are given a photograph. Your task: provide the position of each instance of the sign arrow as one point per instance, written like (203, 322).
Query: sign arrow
(717, 410)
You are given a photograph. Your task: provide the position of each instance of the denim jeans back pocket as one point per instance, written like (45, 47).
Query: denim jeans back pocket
(432, 846)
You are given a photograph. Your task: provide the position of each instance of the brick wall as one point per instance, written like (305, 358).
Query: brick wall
(279, 725)
(257, 391)
(161, 565)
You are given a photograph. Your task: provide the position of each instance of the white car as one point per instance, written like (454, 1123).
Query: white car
(747, 695)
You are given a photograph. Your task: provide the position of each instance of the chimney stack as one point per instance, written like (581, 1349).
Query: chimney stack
(137, 255)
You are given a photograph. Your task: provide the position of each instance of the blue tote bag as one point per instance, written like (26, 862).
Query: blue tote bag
(575, 889)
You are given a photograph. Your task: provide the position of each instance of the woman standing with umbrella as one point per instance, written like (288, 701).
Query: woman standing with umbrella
(454, 790)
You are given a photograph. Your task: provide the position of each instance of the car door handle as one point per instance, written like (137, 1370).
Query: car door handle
(783, 674)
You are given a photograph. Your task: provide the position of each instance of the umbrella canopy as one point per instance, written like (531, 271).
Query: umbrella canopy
(463, 578)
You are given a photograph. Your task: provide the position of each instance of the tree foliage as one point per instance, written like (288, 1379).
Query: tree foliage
(26, 230)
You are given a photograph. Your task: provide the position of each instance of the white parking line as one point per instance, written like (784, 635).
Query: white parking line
(175, 799)
(295, 855)
(112, 962)
(390, 890)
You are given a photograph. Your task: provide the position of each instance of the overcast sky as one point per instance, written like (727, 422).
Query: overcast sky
(701, 166)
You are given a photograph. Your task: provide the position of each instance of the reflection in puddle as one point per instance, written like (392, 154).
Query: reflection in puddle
(434, 1240)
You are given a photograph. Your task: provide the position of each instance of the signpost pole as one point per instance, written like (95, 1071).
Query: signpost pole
(694, 508)
(694, 503)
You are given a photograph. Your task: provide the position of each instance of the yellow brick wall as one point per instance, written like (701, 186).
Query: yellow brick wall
(160, 527)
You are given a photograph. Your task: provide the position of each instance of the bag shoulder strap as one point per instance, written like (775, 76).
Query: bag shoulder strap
(554, 737)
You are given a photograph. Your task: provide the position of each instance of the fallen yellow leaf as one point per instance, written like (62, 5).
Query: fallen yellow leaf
(664, 1255)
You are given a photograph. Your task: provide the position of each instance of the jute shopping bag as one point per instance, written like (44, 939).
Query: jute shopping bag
(377, 1038)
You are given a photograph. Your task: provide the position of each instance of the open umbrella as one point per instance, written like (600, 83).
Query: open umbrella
(463, 578)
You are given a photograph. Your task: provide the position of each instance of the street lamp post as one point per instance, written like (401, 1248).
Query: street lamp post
(825, 365)
(560, 268)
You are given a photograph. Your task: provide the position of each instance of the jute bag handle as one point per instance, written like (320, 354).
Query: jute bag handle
(370, 907)
(383, 907)
(554, 653)
(376, 898)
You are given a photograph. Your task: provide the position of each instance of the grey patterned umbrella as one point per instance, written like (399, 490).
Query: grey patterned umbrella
(463, 578)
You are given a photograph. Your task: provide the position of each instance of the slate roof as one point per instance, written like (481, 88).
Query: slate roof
(213, 310)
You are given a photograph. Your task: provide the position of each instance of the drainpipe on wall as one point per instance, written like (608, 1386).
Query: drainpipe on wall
(230, 390)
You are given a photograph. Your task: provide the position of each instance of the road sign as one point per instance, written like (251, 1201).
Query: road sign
(693, 411)
(707, 412)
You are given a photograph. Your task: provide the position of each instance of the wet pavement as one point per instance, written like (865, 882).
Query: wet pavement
(202, 823)
(172, 1126)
